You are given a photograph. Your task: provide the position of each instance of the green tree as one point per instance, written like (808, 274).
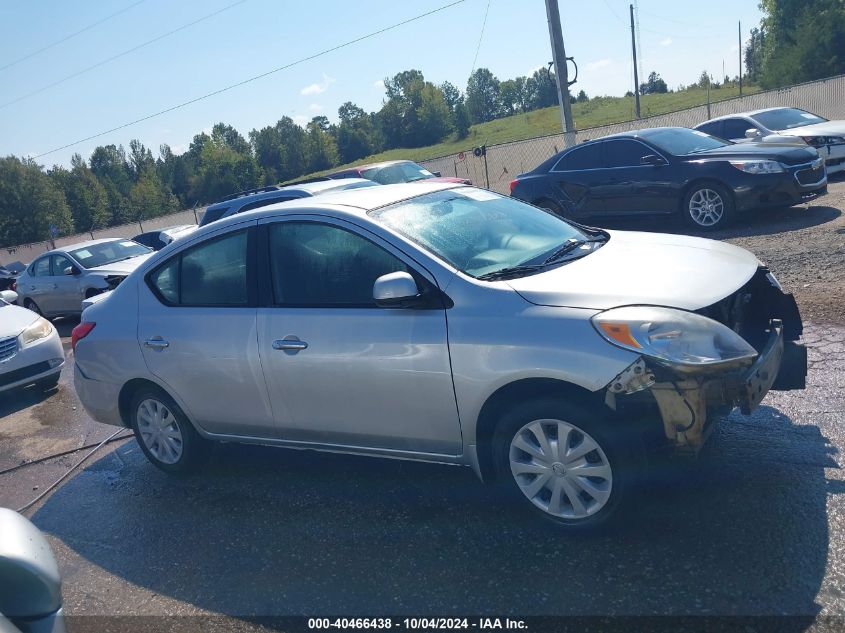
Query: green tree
(148, 198)
(451, 95)
(509, 97)
(322, 147)
(462, 121)
(483, 98)
(86, 197)
(433, 115)
(541, 89)
(356, 133)
(30, 203)
(653, 85)
(582, 97)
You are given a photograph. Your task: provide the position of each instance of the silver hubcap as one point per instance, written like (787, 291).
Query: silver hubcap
(706, 207)
(560, 469)
(159, 431)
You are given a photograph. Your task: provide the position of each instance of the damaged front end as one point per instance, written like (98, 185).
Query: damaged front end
(703, 377)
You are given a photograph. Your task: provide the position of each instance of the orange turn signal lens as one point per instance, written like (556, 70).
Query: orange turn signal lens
(620, 332)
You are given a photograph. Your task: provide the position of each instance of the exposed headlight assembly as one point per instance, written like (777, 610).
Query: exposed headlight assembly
(41, 328)
(675, 338)
(758, 166)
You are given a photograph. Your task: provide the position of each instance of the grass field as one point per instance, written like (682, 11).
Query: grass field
(593, 113)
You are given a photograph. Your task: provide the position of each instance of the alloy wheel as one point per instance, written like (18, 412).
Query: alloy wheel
(159, 431)
(560, 469)
(706, 207)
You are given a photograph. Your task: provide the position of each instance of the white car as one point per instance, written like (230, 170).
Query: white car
(30, 348)
(784, 125)
(441, 323)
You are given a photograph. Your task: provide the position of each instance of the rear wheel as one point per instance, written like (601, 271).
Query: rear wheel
(165, 435)
(564, 463)
(707, 206)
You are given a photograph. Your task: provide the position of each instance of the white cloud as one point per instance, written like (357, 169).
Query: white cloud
(379, 83)
(318, 88)
(602, 63)
(315, 107)
(666, 42)
(300, 120)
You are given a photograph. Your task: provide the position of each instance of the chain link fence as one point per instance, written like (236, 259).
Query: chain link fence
(505, 161)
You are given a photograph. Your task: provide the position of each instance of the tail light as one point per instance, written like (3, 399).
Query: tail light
(513, 184)
(80, 332)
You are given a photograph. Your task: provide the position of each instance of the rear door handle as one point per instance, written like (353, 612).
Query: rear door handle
(156, 343)
(290, 343)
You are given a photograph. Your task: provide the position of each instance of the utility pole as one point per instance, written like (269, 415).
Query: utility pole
(634, 51)
(740, 57)
(561, 71)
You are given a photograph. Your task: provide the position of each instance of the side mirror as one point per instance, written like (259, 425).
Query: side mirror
(751, 133)
(436, 174)
(395, 290)
(654, 160)
(9, 296)
(71, 270)
(30, 585)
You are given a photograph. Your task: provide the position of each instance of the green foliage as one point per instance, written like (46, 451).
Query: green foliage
(797, 41)
(654, 85)
(30, 202)
(483, 96)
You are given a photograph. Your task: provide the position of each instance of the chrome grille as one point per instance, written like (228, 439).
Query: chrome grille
(8, 348)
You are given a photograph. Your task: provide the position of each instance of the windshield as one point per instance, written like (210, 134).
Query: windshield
(108, 253)
(786, 118)
(399, 172)
(680, 141)
(477, 231)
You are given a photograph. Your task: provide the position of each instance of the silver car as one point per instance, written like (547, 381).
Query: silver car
(56, 283)
(441, 323)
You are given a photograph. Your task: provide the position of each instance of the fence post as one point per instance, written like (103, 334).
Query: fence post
(141, 225)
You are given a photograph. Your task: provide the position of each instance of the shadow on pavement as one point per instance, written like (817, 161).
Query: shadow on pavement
(762, 222)
(264, 531)
(65, 325)
(19, 399)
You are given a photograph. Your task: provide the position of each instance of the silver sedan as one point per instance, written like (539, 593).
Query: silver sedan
(441, 323)
(56, 283)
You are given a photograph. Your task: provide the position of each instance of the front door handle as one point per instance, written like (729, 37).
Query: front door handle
(156, 343)
(290, 343)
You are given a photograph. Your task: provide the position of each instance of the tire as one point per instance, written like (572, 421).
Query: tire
(29, 304)
(615, 463)
(708, 206)
(175, 448)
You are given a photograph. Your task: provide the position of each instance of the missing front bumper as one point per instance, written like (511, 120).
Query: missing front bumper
(690, 404)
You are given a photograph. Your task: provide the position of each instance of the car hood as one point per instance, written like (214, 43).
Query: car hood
(829, 128)
(121, 268)
(13, 320)
(786, 153)
(643, 269)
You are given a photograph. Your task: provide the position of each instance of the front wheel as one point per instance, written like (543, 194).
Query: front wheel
(562, 462)
(165, 435)
(29, 304)
(707, 207)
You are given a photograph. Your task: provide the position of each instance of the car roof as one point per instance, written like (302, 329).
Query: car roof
(323, 185)
(643, 132)
(72, 247)
(384, 163)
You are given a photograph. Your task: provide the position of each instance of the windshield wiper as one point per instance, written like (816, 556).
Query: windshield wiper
(509, 272)
(570, 246)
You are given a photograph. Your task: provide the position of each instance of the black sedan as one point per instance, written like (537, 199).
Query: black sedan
(672, 170)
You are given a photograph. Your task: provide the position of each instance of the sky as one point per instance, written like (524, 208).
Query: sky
(71, 70)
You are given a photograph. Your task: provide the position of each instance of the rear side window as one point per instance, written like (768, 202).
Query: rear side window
(213, 273)
(41, 268)
(263, 203)
(212, 215)
(736, 128)
(583, 157)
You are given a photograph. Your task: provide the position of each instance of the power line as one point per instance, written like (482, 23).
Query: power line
(67, 37)
(118, 55)
(615, 15)
(480, 37)
(255, 78)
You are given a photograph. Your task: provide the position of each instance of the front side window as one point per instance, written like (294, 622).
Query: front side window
(714, 128)
(60, 263)
(478, 231)
(314, 264)
(624, 153)
(213, 273)
(108, 253)
(736, 128)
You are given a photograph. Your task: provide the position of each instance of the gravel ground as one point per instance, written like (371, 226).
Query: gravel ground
(754, 527)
